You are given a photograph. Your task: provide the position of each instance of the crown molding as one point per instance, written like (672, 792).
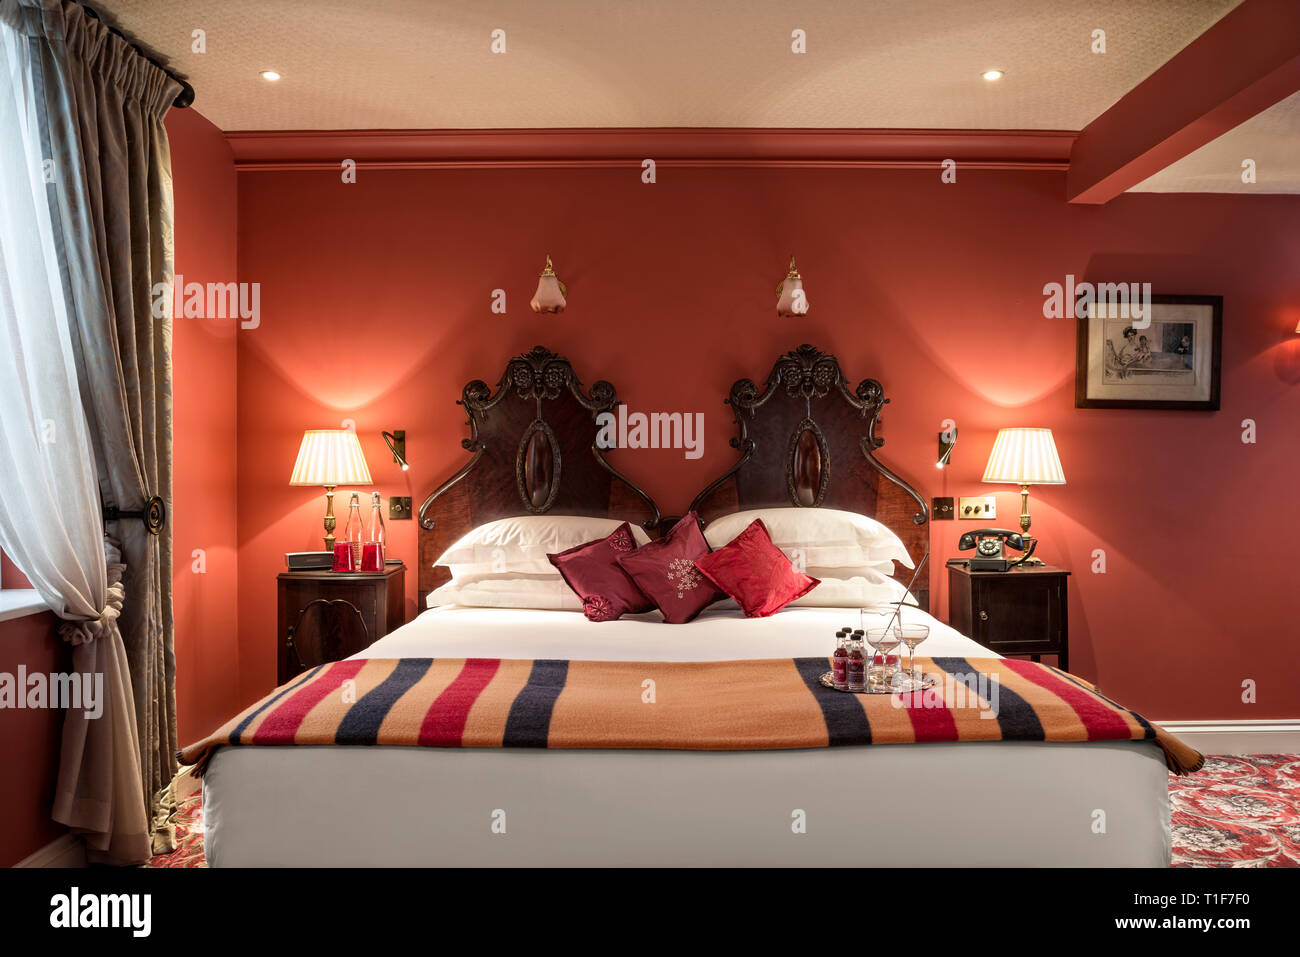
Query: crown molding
(278, 150)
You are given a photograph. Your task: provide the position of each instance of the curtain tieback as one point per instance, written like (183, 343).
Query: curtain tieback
(87, 630)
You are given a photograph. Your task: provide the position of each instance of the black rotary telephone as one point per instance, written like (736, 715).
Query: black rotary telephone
(990, 548)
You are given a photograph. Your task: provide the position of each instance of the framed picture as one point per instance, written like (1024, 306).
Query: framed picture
(1168, 359)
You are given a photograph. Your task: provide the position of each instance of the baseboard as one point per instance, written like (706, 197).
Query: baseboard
(66, 851)
(1279, 736)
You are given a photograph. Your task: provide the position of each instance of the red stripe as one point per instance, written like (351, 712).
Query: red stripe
(929, 724)
(444, 724)
(1100, 720)
(281, 725)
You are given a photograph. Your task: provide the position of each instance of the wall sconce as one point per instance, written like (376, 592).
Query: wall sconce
(550, 291)
(791, 300)
(397, 445)
(946, 447)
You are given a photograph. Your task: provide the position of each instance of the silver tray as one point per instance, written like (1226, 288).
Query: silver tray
(828, 680)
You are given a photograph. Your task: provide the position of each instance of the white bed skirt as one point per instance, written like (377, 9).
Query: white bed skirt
(940, 804)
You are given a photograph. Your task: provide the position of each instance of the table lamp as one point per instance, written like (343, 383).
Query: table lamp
(330, 457)
(1024, 457)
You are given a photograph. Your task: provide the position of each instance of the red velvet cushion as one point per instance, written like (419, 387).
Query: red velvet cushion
(592, 571)
(665, 571)
(755, 572)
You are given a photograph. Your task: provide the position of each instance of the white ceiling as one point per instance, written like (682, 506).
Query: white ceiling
(1271, 139)
(426, 64)
(908, 64)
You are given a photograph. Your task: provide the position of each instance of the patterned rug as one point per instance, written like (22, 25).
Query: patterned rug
(1237, 811)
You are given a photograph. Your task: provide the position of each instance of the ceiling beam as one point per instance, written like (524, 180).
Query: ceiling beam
(273, 150)
(1242, 65)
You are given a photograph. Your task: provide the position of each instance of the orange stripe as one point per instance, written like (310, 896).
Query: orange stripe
(402, 724)
(702, 705)
(485, 727)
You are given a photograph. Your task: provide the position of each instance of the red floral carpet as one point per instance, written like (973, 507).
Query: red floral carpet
(1237, 811)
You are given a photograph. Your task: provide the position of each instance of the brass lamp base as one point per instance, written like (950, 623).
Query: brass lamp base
(329, 518)
(1024, 527)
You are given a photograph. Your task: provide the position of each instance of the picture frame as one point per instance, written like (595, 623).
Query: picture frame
(1173, 362)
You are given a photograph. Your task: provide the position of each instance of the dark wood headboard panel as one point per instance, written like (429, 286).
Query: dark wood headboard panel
(806, 440)
(533, 441)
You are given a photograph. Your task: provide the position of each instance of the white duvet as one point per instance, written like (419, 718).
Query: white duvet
(1005, 803)
(721, 634)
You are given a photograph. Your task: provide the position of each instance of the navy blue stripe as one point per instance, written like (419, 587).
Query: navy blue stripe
(287, 689)
(1016, 716)
(361, 724)
(529, 722)
(846, 721)
(1147, 727)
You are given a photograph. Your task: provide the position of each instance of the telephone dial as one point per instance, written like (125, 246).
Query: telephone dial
(990, 546)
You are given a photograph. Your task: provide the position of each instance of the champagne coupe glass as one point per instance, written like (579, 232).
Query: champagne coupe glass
(911, 635)
(883, 640)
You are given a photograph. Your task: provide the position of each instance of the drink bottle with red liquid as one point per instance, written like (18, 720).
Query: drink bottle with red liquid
(372, 551)
(840, 660)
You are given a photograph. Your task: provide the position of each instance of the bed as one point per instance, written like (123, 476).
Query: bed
(804, 439)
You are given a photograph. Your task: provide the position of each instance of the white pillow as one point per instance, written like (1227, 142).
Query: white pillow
(826, 537)
(521, 544)
(869, 590)
(860, 591)
(507, 591)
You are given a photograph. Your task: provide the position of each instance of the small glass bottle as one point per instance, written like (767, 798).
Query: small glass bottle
(372, 554)
(857, 664)
(840, 660)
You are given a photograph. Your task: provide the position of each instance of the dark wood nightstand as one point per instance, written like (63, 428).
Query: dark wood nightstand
(325, 616)
(1018, 612)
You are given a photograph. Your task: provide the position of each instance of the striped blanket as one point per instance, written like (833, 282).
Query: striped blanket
(768, 703)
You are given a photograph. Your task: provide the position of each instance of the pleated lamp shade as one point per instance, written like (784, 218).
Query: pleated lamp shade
(330, 457)
(1024, 457)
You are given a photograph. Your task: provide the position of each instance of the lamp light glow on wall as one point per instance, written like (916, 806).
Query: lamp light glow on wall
(551, 293)
(1024, 457)
(330, 457)
(791, 299)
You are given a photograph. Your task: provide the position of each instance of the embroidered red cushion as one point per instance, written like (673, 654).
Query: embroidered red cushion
(755, 572)
(592, 571)
(665, 571)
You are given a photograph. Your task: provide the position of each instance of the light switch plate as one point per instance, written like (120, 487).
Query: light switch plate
(943, 509)
(977, 507)
(399, 507)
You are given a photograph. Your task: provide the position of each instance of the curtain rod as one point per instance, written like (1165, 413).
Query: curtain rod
(185, 97)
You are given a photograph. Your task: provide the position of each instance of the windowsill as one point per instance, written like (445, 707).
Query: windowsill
(19, 602)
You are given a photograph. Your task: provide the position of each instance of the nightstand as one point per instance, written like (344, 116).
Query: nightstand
(1018, 612)
(326, 616)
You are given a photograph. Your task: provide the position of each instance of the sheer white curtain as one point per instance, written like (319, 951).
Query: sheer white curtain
(50, 516)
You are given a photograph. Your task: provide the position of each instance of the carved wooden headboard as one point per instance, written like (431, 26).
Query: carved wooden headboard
(805, 440)
(533, 441)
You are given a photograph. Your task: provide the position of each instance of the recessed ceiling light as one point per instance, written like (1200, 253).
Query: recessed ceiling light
(272, 75)
(992, 74)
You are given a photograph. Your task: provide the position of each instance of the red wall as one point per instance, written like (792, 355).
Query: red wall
(375, 307)
(204, 506)
(29, 745)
